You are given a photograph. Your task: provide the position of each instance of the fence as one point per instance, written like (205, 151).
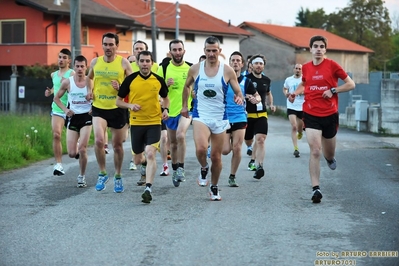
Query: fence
(35, 101)
(370, 92)
(4, 95)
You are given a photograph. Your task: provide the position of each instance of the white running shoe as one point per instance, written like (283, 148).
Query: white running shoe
(58, 169)
(203, 177)
(106, 149)
(214, 193)
(165, 171)
(132, 166)
(81, 181)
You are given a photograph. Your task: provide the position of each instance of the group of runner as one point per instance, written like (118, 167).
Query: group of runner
(157, 104)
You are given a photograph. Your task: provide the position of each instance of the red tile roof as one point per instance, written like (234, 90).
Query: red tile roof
(300, 36)
(191, 19)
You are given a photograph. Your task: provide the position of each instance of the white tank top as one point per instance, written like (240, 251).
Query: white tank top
(210, 100)
(77, 98)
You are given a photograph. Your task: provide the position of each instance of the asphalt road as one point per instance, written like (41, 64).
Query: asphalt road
(47, 220)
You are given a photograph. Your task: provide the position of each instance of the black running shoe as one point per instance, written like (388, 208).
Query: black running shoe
(316, 198)
(146, 196)
(332, 164)
(249, 151)
(259, 173)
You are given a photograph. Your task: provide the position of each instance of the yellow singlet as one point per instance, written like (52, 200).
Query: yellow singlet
(104, 94)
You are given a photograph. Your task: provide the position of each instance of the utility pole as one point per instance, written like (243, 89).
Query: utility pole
(76, 26)
(153, 31)
(177, 19)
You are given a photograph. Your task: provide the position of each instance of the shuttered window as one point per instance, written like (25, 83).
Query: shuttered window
(12, 31)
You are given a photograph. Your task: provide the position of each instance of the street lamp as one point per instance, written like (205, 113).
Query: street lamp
(177, 19)
(58, 2)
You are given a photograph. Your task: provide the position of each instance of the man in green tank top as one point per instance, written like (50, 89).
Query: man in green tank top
(57, 115)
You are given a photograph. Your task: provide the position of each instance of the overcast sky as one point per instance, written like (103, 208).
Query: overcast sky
(280, 12)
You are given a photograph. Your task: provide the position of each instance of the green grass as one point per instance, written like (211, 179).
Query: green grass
(26, 139)
(280, 112)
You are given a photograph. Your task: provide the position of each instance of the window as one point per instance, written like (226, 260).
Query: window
(220, 38)
(13, 31)
(148, 34)
(85, 36)
(190, 37)
(169, 35)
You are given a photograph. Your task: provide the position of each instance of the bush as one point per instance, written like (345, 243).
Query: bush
(40, 71)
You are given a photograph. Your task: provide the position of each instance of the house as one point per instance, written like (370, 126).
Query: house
(34, 31)
(285, 46)
(194, 26)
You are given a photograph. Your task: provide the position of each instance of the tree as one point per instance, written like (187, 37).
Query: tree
(393, 63)
(311, 19)
(367, 23)
(395, 23)
(302, 17)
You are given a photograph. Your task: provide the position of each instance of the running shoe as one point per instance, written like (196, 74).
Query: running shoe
(249, 150)
(299, 135)
(316, 197)
(118, 185)
(165, 171)
(214, 193)
(58, 169)
(146, 196)
(81, 181)
(101, 181)
(252, 166)
(180, 174)
(143, 170)
(203, 177)
(332, 164)
(296, 153)
(132, 166)
(142, 181)
(175, 181)
(106, 149)
(232, 182)
(259, 173)
(169, 157)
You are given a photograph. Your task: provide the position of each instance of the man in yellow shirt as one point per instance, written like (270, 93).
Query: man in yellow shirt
(108, 72)
(138, 47)
(143, 89)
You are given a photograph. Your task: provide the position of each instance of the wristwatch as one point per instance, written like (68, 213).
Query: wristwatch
(333, 90)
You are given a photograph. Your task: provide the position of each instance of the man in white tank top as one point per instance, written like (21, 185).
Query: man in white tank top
(79, 120)
(210, 78)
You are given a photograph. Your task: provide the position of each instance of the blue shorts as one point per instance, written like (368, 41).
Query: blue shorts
(173, 122)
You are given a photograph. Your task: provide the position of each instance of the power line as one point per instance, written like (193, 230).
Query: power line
(129, 15)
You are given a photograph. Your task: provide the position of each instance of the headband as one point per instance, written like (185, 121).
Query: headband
(258, 60)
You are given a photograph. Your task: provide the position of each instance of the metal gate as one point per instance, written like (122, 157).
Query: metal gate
(4, 95)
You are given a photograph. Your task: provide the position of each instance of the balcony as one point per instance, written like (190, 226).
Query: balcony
(26, 54)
